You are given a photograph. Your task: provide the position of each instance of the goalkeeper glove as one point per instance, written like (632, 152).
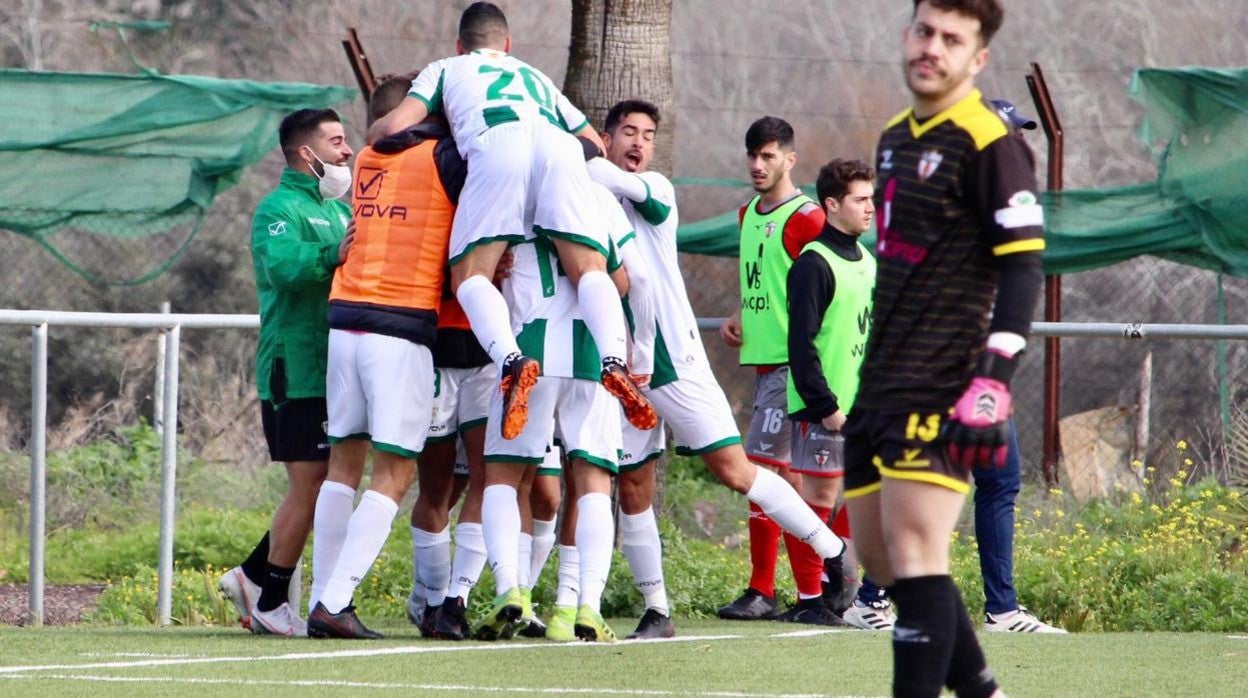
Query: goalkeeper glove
(977, 435)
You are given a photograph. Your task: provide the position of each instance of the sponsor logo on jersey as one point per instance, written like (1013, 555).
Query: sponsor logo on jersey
(770, 228)
(929, 162)
(368, 184)
(319, 221)
(886, 160)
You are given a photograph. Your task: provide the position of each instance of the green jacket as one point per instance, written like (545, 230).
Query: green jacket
(294, 249)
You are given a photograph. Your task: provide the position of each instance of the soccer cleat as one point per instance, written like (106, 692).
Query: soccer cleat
(752, 605)
(834, 576)
(838, 602)
(415, 608)
(343, 625)
(876, 615)
(590, 626)
(429, 621)
(519, 376)
(500, 622)
(529, 625)
(562, 627)
(280, 621)
(653, 625)
(637, 409)
(1019, 621)
(812, 611)
(451, 623)
(241, 591)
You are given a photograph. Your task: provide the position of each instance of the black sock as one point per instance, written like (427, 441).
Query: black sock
(257, 563)
(969, 675)
(276, 586)
(924, 634)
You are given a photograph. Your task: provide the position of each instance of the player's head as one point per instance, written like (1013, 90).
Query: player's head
(628, 134)
(483, 25)
(769, 152)
(388, 94)
(312, 137)
(845, 189)
(946, 45)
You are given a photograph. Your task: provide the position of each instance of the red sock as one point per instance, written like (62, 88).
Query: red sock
(806, 563)
(840, 524)
(764, 547)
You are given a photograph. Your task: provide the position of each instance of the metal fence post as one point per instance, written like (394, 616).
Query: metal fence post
(38, 465)
(168, 476)
(158, 397)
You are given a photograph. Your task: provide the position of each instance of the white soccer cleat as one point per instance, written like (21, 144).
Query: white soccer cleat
(1019, 621)
(241, 591)
(877, 615)
(280, 621)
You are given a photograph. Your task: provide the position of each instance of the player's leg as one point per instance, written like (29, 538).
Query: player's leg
(639, 535)
(292, 522)
(561, 625)
(470, 555)
(431, 532)
(544, 498)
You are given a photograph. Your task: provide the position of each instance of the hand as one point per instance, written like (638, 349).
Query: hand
(730, 331)
(503, 270)
(977, 435)
(348, 240)
(834, 421)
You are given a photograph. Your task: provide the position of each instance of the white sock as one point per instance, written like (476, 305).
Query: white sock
(524, 554)
(785, 506)
(543, 541)
(639, 540)
(432, 560)
(569, 590)
(595, 536)
(329, 525)
(599, 302)
(366, 534)
(500, 521)
(487, 313)
(469, 560)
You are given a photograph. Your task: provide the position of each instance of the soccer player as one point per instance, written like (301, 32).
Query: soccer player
(960, 235)
(829, 294)
(682, 388)
(298, 238)
(775, 226)
(513, 126)
(383, 317)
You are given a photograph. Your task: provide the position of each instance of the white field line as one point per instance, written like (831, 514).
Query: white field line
(815, 633)
(340, 654)
(1237, 637)
(407, 686)
(139, 654)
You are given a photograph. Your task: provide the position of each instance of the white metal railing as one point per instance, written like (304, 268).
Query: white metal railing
(172, 325)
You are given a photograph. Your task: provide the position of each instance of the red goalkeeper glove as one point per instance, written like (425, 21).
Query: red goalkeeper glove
(977, 435)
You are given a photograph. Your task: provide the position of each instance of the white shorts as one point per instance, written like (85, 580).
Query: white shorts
(552, 463)
(461, 399)
(379, 388)
(697, 412)
(522, 174)
(641, 445)
(588, 417)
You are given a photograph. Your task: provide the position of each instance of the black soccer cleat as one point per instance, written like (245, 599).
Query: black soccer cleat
(344, 625)
(429, 620)
(839, 602)
(811, 611)
(834, 570)
(752, 605)
(451, 622)
(653, 625)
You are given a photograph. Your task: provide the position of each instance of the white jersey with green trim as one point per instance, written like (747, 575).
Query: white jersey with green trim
(545, 315)
(678, 348)
(485, 88)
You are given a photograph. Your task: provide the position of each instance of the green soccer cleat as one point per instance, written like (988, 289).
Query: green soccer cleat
(500, 622)
(562, 625)
(590, 626)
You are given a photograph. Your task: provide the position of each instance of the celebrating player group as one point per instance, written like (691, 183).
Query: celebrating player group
(500, 315)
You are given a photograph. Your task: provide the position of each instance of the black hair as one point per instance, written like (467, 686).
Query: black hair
(835, 177)
(299, 127)
(388, 94)
(767, 130)
(630, 106)
(482, 24)
(990, 13)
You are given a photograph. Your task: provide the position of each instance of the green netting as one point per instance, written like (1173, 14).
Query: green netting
(1195, 213)
(120, 157)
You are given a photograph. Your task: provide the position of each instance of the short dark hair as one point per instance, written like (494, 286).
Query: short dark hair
(388, 94)
(482, 24)
(990, 13)
(835, 177)
(767, 130)
(630, 106)
(298, 127)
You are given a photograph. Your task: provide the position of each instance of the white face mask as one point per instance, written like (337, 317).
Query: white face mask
(336, 179)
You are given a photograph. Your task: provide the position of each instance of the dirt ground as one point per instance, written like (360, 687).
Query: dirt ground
(62, 605)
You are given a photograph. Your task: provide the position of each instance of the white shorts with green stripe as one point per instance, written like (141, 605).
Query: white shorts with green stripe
(379, 388)
(587, 415)
(695, 409)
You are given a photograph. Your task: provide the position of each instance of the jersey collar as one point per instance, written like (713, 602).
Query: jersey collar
(959, 108)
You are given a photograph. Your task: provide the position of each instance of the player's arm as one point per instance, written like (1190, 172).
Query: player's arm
(803, 227)
(652, 195)
(811, 287)
(1002, 178)
(283, 257)
(642, 306)
(587, 132)
(411, 111)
